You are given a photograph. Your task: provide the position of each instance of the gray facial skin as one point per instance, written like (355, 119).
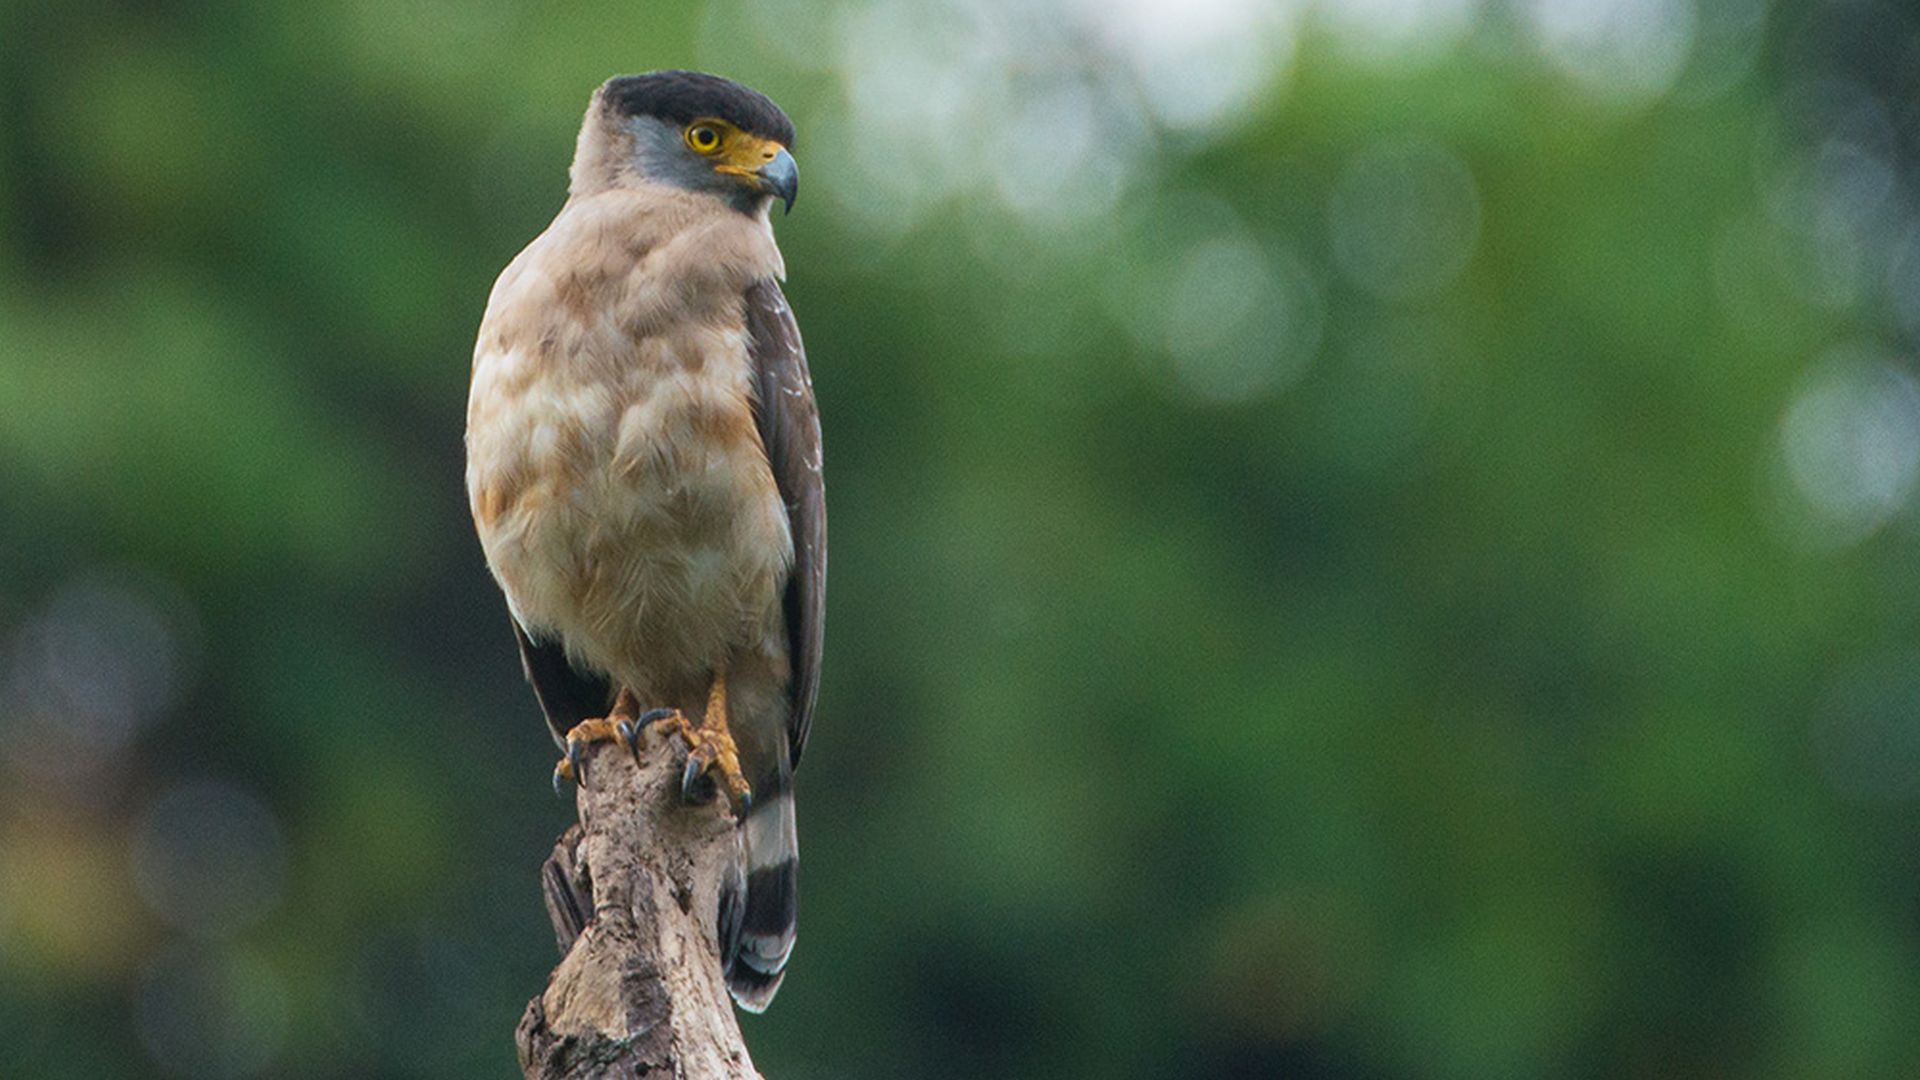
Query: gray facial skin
(661, 154)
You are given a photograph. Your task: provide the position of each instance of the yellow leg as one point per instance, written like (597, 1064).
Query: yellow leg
(711, 747)
(617, 726)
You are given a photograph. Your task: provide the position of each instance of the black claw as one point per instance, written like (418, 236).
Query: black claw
(630, 735)
(558, 777)
(579, 763)
(651, 715)
(696, 785)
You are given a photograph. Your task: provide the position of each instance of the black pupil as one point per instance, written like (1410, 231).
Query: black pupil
(705, 137)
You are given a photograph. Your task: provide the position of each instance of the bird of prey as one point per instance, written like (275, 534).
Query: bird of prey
(643, 468)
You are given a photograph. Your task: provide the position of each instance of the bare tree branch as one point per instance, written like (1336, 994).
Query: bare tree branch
(633, 892)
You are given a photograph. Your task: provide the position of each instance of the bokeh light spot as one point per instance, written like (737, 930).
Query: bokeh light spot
(1398, 33)
(103, 659)
(1850, 443)
(1831, 214)
(1044, 155)
(55, 861)
(1619, 52)
(208, 858)
(1197, 63)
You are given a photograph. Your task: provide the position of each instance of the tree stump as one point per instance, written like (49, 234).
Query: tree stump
(633, 892)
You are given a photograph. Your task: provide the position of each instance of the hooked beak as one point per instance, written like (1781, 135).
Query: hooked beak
(780, 178)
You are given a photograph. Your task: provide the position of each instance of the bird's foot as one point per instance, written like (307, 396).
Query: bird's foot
(711, 752)
(618, 726)
(714, 755)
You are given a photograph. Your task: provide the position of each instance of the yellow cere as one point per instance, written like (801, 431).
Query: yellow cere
(735, 152)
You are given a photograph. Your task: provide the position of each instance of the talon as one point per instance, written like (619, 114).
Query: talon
(561, 774)
(574, 762)
(695, 785)
(712, 754)
(625, 731)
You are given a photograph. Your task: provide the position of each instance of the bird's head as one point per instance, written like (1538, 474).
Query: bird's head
(693, 131)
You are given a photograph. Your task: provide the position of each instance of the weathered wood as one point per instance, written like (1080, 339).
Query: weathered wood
(633, 892)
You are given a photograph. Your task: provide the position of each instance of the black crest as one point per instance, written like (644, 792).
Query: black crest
(681, 97)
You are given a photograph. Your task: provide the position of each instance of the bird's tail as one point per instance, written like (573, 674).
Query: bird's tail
(762, 938)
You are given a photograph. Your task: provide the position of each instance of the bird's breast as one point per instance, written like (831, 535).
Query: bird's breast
(628, 507)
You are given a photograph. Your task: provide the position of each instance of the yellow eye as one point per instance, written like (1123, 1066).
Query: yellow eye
(704, 138)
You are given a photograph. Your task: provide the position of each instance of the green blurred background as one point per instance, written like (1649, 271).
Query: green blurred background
(1370, 539)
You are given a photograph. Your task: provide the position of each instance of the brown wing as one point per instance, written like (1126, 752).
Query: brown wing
(789, 423)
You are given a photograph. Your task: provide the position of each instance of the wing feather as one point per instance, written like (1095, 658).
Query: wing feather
(567, 695)
(789, 423)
